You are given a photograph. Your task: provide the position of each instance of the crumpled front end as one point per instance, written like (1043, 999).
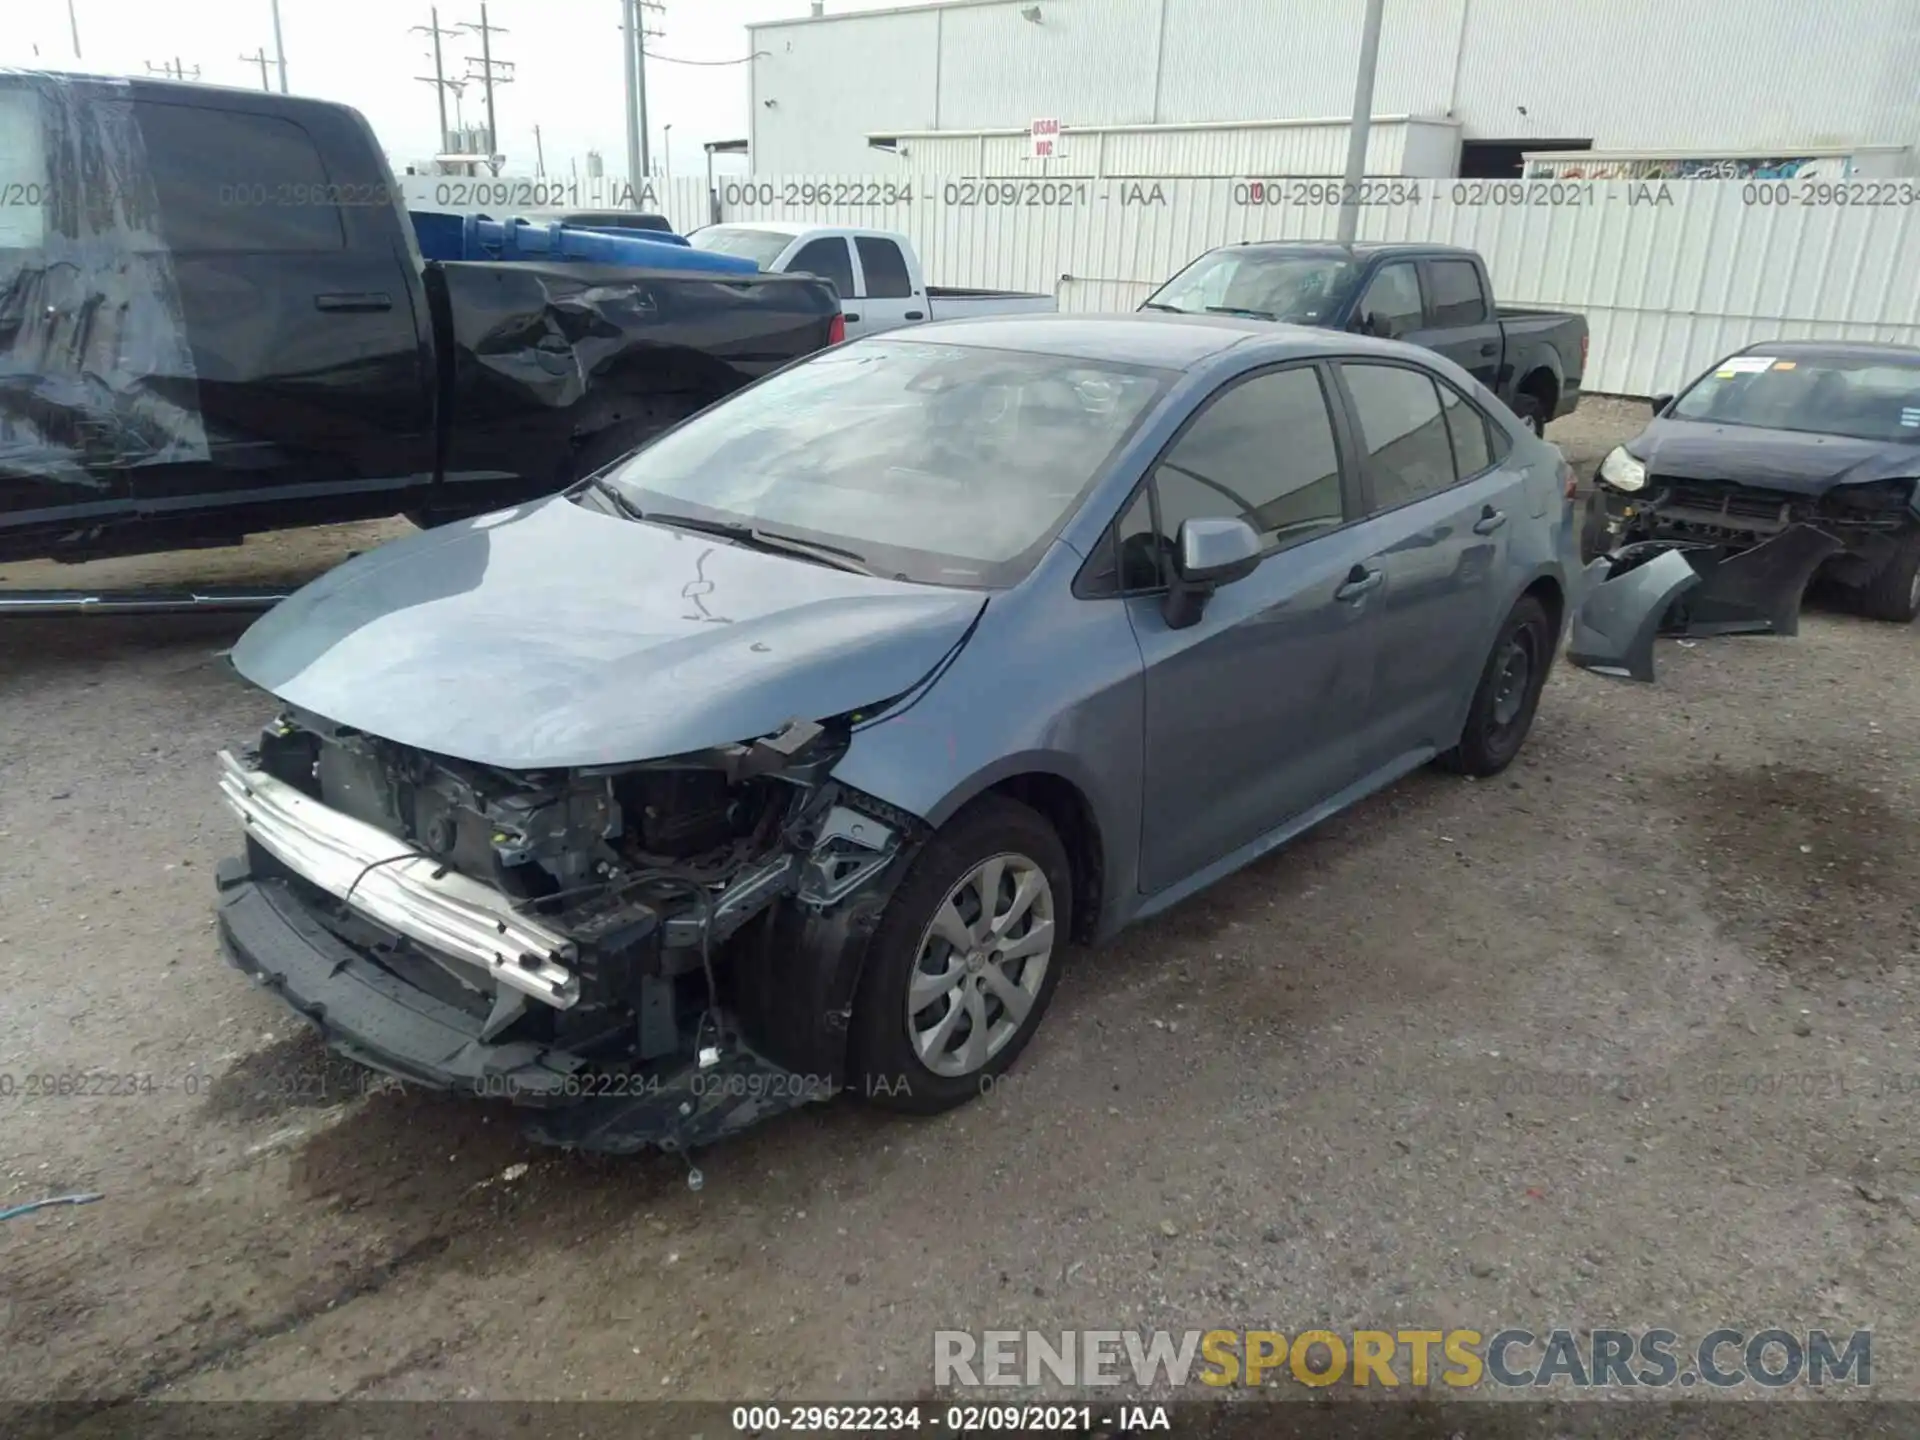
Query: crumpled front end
(656, 954)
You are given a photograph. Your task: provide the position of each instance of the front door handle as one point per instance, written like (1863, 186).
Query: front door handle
(354, 302)
(1490, 520)
(916, 315)
(1360, 580)
(1489, 348)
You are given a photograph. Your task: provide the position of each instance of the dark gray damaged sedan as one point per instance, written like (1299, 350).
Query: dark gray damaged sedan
(788, 754)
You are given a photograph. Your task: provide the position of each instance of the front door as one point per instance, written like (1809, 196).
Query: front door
(1250, 713)
(1442, 512)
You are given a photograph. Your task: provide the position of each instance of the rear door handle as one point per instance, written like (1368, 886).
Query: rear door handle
(916, 315)
(1360, 580)
(852, 317)
(1489, 348)
(1490, 520)
(354, 302)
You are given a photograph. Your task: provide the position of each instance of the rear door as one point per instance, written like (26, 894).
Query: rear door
(1250, 712)
(1461, 323)
(888, 296)
(829, 258)
(310, 374)
(1442, 510)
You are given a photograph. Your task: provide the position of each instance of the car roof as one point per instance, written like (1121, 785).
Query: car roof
(1837, 350)
(1363, 250)
(1152, 339)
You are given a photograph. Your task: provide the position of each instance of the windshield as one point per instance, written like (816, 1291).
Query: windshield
(763, 247)
(1302, 289)
(1864, 399)
(936, 463)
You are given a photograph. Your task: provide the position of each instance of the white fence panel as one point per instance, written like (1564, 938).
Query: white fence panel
(1670, 275)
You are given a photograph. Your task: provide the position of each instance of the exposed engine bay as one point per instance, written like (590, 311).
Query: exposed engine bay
(662, 942)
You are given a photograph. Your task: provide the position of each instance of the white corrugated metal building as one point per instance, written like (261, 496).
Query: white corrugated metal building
(1262, 87)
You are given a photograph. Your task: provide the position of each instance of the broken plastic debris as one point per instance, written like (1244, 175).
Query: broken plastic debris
(33, 1205)
(709, 1056)
(514, 1172)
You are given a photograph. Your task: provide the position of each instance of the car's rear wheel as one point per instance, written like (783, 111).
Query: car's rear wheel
(963, 962)
(1508, 694)
(1894, 594)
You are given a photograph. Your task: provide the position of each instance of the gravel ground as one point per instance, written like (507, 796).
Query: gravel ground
(1624, 1036)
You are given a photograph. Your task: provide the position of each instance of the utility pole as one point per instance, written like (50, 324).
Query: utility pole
(259, 57)
(539, 154)
(73, 24)
(174, 70)
(279, 47)
(1362, 122)
(633, 25)
(487, 78)
(438, 79)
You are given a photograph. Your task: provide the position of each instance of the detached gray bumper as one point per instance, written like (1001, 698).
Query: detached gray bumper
(1654, 587)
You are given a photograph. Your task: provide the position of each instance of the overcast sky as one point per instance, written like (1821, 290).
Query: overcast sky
(566, 55)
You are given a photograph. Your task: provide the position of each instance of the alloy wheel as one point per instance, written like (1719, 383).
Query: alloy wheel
(980, 965)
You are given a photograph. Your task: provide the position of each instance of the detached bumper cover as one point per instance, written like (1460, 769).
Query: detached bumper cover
(1657, 587)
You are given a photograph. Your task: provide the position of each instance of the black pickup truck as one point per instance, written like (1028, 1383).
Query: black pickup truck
(1437, 296)
(215, 320)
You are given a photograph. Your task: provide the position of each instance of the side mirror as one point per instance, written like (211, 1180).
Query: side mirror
(1361, 323)
(1660, 403)
(1206, 555)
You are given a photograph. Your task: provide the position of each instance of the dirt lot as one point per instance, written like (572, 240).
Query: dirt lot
(1625, 1036)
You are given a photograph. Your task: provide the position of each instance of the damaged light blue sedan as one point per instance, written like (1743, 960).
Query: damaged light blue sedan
(789, 753)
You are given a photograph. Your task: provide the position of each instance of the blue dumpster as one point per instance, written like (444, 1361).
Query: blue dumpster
(480, 237)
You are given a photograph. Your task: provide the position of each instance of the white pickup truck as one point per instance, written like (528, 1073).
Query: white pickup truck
(875, 271)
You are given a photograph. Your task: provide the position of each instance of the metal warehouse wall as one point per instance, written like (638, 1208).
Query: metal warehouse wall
(1627, 74)
(1669, 277)
(1393, 148)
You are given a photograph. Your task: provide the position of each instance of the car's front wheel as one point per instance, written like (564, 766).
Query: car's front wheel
(964, 960)
(1508, 694)
(1894, 593)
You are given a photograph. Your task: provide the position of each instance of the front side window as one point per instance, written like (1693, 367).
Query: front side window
(1391, 306)
(1408, 454)
(942, 464)
(229, 181)
(1262, 451)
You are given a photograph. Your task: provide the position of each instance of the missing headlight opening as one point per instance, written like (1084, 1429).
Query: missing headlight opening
(582, 932)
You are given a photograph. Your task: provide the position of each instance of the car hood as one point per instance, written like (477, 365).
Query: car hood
(1787, 460)
(555, 635)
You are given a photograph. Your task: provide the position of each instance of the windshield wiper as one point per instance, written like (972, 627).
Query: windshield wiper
(1243, 313)
(759, 539)
(1170, 309)
(604, 487)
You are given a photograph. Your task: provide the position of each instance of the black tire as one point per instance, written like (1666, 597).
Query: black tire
(1894, 594)
(1489, 742)
(1532, 413)
(884, 1065)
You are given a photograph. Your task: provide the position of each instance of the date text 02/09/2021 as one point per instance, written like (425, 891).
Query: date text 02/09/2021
(955, 1420)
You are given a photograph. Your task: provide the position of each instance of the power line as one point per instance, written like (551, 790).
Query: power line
(259, 57)
(488, 78)
(673, 60)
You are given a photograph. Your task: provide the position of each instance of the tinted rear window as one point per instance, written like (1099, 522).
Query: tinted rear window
(230, 181)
